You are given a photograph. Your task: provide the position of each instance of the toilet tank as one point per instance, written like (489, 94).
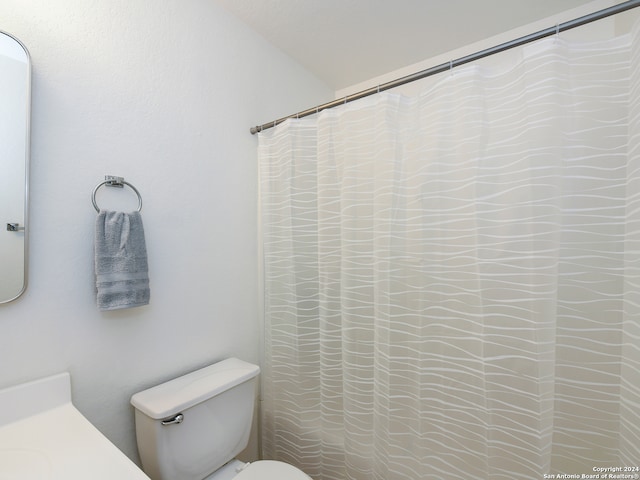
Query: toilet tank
(188, 427)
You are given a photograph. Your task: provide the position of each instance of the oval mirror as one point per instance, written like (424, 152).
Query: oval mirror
(15, 98)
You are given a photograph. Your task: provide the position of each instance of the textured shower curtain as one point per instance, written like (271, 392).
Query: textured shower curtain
(452, 280)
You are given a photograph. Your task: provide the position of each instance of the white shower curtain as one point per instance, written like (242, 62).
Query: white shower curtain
(452, 280)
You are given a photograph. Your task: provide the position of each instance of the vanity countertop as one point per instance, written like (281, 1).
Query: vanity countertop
(44, 437)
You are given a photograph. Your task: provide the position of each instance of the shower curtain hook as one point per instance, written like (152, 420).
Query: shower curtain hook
(557, 30)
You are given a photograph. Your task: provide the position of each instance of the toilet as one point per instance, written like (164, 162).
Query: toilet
(192, 427)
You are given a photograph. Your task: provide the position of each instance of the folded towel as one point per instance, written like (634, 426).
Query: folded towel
(122, 278)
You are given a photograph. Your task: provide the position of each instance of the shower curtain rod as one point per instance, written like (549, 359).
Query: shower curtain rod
(561, 27)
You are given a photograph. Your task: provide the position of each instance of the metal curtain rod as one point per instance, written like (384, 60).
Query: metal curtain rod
(561, 27)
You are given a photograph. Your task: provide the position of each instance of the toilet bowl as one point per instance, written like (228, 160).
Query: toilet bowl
(260, 470)
(270, 470)
(192, 427)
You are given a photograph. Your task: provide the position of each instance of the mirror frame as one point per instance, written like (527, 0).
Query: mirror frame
(27, 150)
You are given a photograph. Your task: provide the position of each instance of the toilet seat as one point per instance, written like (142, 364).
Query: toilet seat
(271, 470)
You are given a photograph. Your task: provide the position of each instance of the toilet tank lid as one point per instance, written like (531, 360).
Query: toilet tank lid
(171, 397)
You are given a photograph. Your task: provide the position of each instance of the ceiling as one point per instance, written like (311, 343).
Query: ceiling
(345, 42)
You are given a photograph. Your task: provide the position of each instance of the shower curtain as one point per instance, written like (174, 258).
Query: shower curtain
(452, 279)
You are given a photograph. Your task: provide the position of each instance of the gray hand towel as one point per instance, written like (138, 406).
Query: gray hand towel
(122, 278)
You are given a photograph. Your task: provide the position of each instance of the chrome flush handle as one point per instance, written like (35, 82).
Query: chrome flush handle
(179, 418)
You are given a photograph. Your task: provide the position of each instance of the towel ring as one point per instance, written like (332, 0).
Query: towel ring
(114, 182)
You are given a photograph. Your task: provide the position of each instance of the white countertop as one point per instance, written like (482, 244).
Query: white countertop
(44, 437)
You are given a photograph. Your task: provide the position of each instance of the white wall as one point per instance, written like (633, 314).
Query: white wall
(598, 30)
(161, 92)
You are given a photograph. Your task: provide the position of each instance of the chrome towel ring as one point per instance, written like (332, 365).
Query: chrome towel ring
(111, 181)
